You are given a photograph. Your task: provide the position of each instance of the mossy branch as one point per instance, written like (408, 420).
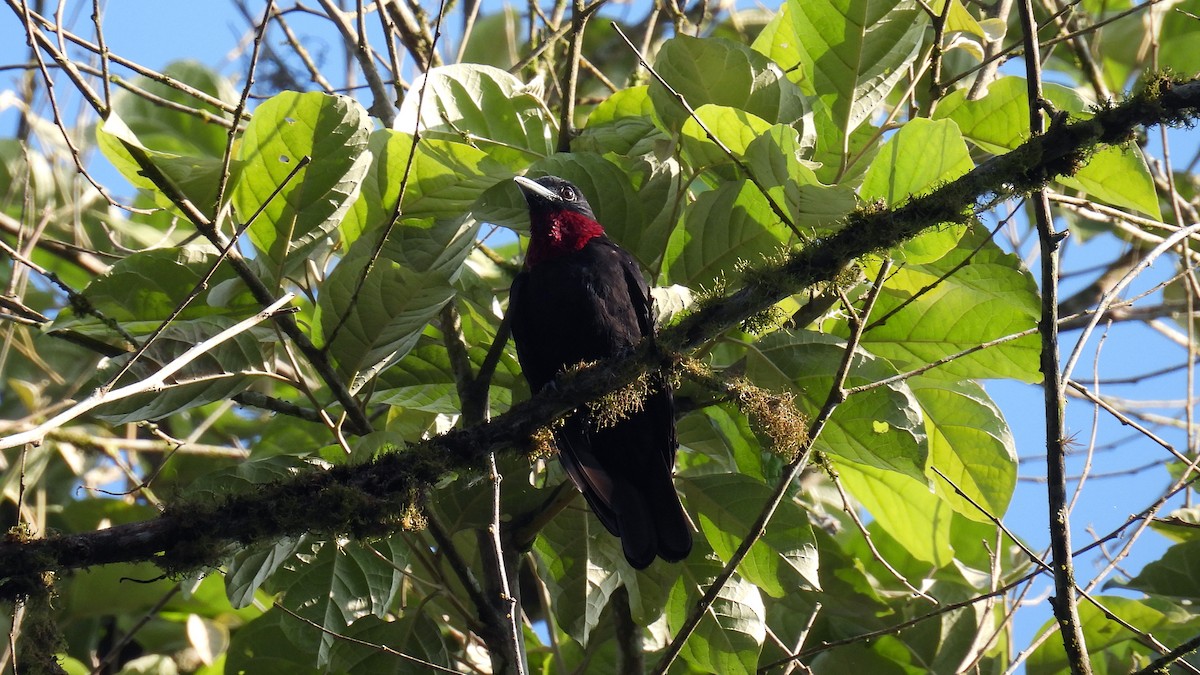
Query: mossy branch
(384, 495)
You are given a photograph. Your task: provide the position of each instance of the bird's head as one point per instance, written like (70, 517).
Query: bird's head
(560, 219)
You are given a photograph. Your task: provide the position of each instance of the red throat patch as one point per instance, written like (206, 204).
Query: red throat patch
(559, 233)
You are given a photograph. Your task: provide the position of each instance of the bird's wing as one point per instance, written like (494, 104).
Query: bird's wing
(639, 292)
(660, 402)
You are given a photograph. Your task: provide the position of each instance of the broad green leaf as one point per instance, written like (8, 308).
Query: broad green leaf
(310, 205)
(770, 155)
(970, 443)
(424, 379)
(483, 106)
(263, 647)
(368, 323)
(730, 635)
(1118, 175)
(412, 633)
(989, 297)
(880, 427)
(775, 160)
(1180, 39)
(1180, 525)
(733, 128)
(466, 504)
(186, 147)
(999, 122)
(216, 375)
(921, 156)
(98, 591)
(958, 18)
(1174, 575)
(143, 289)
(718, 440)
(905, 508)
(726, 505)
(195, 177)
(849, 54)
(250, 567)
(885, 655)
(579, 588)
(444, 180)
(246, 477)
(582, 565)
(713, 70)
(1111, 646)
(496, 39)
(333, 584)
(723, 228)
(176, 131)
(623, 124)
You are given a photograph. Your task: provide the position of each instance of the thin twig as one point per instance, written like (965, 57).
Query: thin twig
(155, 381)
(1066, 608)
(837, 394)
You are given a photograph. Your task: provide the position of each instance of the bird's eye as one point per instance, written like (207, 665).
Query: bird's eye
(566, 192)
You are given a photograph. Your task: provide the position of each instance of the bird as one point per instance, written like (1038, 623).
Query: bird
(580, 298)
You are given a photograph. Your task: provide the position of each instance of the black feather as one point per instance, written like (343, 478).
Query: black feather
(586, 305)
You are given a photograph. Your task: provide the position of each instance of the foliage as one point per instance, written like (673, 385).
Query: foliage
(747, 136)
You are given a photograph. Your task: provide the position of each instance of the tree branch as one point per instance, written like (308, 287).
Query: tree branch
(380, 496)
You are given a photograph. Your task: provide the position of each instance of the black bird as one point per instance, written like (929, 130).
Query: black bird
(583, 298)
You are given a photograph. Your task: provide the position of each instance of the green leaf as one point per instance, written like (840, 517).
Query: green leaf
(1118, 175)
(186, 147)
(722, 228)
(99, 591)
(444, 180)
(1111, 646)
(1180, 39)
(729, 636)
(622, 124)
(1173, 575)
(849, 54)
(194, 177)
(143, 289)
(999, 122)
(333, 584)
(216, 375)
(903, 507)
(333, 132)
(733, 128)
(174, 131)
(424, 379)
(370, 323)
(713, 70)
(717, 439)
(249, 568)
(726, 505)
(990, 297)
(263, 647)
(412, 633)
(246, 477)
(970, 442)
(919, 157)
(774, 158)
(579, 589)
(880, 427)
(484, 106)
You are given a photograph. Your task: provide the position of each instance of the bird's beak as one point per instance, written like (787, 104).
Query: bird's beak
(533, 189)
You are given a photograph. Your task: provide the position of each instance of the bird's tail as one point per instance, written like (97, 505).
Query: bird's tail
(652, 523)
